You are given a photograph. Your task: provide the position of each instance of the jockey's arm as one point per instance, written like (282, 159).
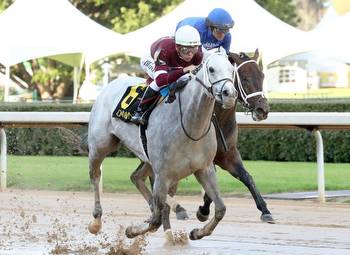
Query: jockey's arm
(164, 77)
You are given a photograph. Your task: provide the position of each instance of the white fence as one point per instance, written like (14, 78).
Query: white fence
(313, 121)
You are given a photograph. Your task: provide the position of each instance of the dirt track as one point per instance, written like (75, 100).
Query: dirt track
(42, 222)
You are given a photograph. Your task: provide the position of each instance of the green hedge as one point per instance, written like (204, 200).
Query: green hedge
(254, 144)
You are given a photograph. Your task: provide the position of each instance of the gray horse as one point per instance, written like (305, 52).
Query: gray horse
(248, 80)
(181, 140)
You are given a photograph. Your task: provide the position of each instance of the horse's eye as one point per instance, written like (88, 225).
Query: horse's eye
(211, 69)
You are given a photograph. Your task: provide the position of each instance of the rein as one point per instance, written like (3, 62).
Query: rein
(243, 94)
(183, 126)
(209, 89)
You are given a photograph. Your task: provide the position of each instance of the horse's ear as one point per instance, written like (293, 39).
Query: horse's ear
(206, 53)
(232, 57)
(256, 55)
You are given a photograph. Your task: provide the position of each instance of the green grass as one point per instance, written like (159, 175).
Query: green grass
(71, 173)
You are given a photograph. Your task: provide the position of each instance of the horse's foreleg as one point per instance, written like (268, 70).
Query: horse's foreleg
(248, 181)
(181, 213)
(138, 177)
(160, 190)
(208, 181)
(236, 169)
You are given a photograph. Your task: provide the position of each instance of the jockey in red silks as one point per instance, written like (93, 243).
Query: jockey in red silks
(170, 58)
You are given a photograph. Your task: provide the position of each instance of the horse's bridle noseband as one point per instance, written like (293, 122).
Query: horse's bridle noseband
(243, 94)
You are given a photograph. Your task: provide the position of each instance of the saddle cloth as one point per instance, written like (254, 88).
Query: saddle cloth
(133, 95)
(129, 102)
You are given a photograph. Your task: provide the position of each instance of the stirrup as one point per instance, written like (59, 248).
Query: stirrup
(138, 118)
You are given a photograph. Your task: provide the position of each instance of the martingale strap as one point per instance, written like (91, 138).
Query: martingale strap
(143, 137)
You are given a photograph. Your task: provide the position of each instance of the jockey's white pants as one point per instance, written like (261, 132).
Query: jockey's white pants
(148, 66)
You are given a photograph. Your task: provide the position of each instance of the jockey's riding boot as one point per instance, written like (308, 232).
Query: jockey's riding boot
(148, 98)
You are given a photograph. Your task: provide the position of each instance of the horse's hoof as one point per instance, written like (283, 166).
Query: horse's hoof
(169, 237)
(182, 215)
(129, 233)
(267, 217)
(200, 216)
(194, 234)
(95, 226)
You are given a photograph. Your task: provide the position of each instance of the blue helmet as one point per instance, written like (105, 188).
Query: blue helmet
(219, 18)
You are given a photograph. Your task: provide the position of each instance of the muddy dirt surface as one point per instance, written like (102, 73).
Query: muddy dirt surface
(45, 222)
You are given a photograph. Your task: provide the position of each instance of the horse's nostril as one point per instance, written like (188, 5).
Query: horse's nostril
(225, 93)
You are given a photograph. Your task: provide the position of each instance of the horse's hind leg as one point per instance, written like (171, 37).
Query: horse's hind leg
(96, 155)
(208, 181)
(181, 213)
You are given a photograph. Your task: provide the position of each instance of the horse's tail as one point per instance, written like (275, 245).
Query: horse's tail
(74, 140)
(84, 143)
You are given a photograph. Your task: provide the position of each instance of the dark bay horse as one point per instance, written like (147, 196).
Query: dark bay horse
(249, 83)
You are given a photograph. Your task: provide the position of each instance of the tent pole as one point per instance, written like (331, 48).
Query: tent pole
(7, 83)
(75, 84)
(87, 71)
(77, 75)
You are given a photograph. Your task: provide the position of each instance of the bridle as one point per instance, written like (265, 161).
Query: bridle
(242, 92)
(206, 80)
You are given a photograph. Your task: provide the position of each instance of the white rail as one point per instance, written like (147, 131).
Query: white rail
(313, 121)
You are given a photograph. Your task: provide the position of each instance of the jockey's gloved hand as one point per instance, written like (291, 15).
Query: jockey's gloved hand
(175, 86)
(182, 81)
(189, 69)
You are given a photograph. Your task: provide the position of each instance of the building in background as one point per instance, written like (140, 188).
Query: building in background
(307, 71)
(310, 70)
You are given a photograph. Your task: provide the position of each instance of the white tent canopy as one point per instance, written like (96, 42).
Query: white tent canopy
(39, 28)
(331, 37)
(32, 29)
(254, 28)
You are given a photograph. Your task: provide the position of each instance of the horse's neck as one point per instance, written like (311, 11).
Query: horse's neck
(197, 108)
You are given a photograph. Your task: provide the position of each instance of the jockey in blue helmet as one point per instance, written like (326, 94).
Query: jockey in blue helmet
(213, 29)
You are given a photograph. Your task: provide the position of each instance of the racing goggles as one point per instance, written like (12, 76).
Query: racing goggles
(185, 50)
(220, 30)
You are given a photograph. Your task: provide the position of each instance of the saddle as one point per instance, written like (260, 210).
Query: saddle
(133, 95)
